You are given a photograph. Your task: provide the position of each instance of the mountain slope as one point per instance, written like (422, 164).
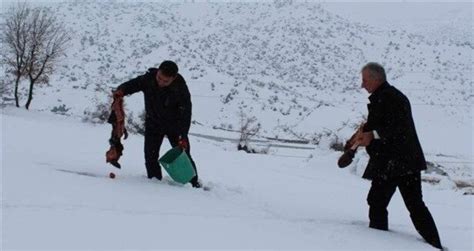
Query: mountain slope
(284, 63)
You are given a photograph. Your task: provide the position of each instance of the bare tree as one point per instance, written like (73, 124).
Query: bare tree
(48, 41)
(14, 40)
(35, 40)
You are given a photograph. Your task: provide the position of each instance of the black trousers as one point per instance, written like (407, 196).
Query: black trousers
(379, 197)
(153, 141)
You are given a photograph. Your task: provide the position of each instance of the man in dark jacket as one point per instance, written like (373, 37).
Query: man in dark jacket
(168, 112)
(396, 157)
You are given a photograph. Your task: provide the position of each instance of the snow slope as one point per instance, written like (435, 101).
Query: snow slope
(256, 201)
(437, 20)
(284, 63)
(293, 66)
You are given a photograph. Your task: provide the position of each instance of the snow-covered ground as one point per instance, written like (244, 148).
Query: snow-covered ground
(50, 201)
(294, 65)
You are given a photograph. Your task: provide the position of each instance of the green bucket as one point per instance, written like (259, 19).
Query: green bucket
(178, 165)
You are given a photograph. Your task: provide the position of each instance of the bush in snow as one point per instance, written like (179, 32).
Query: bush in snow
(61, 109)
(99, 114)
(249, 128)
(136, 124)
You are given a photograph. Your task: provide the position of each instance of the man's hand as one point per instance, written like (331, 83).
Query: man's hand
(354, 138)
(183, 143)
(364, 138)
(118, 94)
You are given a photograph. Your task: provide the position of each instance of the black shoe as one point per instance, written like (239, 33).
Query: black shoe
(196, 184)
(435, 242)
(151, 176)
(383, 227)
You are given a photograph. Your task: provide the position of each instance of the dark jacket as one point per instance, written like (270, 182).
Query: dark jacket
(398, 151)
(168, 109)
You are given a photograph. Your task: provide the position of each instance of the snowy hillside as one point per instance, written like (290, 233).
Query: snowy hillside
(294, 67)
(444, 20)
(286, 64)
(56, 195)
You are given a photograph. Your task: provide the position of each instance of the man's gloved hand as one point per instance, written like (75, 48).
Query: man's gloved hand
(118, 94)
(183, 143)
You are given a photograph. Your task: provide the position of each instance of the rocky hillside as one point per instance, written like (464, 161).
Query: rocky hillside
(289, 65)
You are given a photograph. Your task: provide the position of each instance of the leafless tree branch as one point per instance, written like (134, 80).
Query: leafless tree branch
(34, 40)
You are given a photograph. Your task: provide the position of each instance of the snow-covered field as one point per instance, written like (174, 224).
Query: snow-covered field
(294, 65)
(256, 202)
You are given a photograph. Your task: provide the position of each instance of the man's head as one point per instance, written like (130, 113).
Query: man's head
(373, 76)
(166, 74)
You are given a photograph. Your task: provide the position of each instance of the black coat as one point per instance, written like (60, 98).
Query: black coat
(398, 151)
(168, 109)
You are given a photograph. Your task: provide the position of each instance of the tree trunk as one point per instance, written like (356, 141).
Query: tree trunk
(17, 83)
(30, 94)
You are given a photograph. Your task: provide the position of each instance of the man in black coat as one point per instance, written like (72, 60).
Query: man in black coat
(396, 157)
(168, 112)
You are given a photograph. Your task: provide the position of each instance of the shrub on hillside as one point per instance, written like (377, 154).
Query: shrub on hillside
(136, 124)
(98, 115)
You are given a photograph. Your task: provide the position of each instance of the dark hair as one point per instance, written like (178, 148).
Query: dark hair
(376, 71)
(168, 68)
